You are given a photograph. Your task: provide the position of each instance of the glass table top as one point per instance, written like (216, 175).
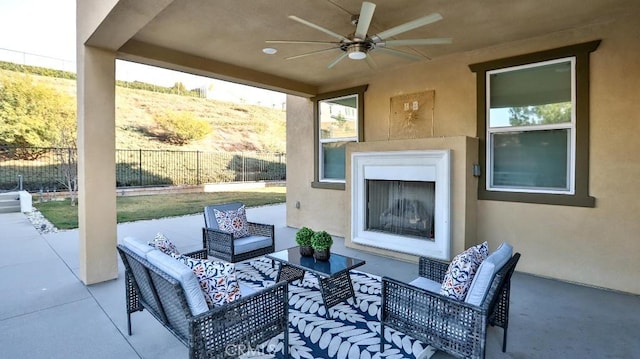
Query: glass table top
(336, 264)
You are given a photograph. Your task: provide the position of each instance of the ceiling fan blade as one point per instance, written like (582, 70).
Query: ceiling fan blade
(317, 27)
(372, 64)
(338, 59)
(403, 54)
(412, 42)
(311, 53)
(302, 42)
(364, 20)
(425, 20)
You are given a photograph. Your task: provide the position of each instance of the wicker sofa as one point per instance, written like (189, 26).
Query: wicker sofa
(154, 283)
(456, 327)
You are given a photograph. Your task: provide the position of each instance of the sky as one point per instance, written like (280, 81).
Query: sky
(42, 33)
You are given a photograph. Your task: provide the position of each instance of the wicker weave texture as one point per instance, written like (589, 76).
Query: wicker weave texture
(432, 269)
(452, 326)
(289, 273)
(336, 289)
(250, 320)
(221, 244)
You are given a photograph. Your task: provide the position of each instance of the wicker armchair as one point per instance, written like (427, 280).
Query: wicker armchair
(222, 245)
(243, 323)
(453, 326)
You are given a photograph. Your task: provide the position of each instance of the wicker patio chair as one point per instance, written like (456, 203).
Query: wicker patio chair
(243, 323)
(222, 245)
(450, 325)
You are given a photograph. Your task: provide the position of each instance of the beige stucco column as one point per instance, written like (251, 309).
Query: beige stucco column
(96, 164)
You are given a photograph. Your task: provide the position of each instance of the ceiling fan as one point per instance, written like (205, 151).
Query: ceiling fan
(358, 45)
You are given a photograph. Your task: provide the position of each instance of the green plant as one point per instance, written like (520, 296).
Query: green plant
(304, 236)
(182, 127)
(33, 114)
(321, 240)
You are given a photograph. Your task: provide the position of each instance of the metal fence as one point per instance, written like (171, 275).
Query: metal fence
(42, 170)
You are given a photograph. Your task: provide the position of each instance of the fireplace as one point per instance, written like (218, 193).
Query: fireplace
(401, 201)
(403, 208)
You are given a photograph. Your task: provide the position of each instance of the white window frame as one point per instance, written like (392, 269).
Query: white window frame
(570, 126)
(322, 141)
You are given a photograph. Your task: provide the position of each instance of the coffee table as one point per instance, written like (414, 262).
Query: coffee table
(333, 275)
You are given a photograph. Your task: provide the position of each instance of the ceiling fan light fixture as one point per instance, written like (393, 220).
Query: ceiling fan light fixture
(357, 52)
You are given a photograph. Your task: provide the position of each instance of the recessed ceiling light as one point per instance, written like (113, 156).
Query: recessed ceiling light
(269, 50)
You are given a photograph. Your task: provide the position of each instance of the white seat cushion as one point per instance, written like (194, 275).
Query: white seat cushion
(251, 243)
(184, 275)
(245, 289)
(427, 284)
(487, 270)
(137, 246)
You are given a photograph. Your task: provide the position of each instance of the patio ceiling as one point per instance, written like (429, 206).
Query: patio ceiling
(224, 38)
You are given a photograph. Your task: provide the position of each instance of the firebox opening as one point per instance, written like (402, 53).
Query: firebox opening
(403, 208)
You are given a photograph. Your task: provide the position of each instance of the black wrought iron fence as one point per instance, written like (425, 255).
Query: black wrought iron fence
(42, 170)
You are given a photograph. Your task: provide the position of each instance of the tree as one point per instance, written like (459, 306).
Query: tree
(33, 115)
(179, 88)
(540, 115)
(340, 119)
(181, 127)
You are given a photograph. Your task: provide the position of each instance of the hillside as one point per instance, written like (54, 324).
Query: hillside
(235, 127)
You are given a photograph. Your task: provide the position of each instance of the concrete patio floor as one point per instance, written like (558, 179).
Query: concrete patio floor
(46, 311)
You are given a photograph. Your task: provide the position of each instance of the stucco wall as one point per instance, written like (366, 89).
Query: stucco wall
(319, 208)
(595, 246)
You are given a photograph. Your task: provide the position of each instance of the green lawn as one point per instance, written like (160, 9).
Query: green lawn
(135, 208)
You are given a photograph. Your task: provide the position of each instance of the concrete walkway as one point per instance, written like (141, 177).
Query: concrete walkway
(46, 311)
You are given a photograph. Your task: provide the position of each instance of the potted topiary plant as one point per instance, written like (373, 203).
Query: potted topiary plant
(303, 238)
(321, 243)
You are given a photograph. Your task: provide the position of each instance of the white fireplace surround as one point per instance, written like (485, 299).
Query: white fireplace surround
(427, 165)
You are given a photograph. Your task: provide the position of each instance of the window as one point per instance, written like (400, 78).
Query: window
(338, 122)
(533, 122)
(531, 128)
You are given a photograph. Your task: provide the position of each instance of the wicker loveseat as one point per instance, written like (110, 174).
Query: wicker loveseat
(171, 297)
(456, 327)
(221, 244)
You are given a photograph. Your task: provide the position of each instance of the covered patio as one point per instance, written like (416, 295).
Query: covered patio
(47, 312)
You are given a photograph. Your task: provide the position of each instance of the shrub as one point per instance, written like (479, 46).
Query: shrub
(35, 115)
(303, 236)
(321, 240)
(181, 127)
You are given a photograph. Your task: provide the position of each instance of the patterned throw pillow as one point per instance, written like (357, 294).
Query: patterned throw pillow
(462, 268)
(164, 244)
(217, 279)
(233, 221)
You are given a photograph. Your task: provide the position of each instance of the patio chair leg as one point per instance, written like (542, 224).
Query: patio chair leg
(504, 340)
(129, 323)
(381, 338)
(285, 349)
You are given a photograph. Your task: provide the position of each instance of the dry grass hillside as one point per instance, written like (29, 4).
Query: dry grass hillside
(235, 127)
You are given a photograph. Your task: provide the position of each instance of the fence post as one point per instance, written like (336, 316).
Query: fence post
(198, 167)
(244, 171)
(140, 166)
